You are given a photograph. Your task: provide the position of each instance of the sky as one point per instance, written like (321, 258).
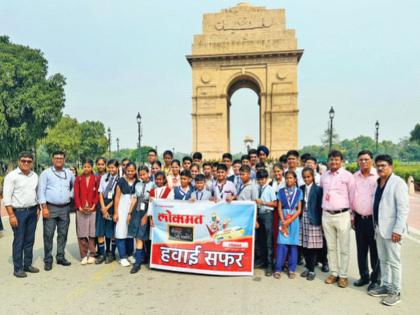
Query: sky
(124, 57)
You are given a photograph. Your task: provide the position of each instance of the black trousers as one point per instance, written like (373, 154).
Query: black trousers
(322, 256)
(310, 255)
(365, 240)
(59, 219)
(24, 238)
(264, 239)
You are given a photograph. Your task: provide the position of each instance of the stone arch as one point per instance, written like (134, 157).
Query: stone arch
(244, 46)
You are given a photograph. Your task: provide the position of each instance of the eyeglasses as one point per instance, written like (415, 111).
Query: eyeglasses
(26, 161)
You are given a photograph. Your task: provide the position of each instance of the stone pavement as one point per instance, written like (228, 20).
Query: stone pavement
(110, 289)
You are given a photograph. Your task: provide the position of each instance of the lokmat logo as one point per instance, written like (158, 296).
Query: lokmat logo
(169, 217)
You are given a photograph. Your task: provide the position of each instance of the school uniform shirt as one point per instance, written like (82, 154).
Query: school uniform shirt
(209, 184)
(248, 191)
(181, 194)
(201, 194)
(236, 179)
(277, 186)
(107, 185)
(142, 191)
(267, 194)
(317, 178)
(222, 191)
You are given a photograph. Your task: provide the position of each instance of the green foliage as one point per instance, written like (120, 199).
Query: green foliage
(415, 134)
(135, 156)
(77, 140)
(405, 150)
(93, 142)
(30, 102)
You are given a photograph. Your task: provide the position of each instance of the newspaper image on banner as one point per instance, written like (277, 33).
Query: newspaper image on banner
(203, 236)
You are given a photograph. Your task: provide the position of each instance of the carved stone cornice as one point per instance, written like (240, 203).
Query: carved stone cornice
(241, 56)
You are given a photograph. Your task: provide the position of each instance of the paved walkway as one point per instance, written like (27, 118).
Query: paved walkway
(110, 289)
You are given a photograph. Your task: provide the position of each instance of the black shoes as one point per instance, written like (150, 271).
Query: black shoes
(31, 269)
(100, 259)
(361, 282)
(310, 276)
(305, 273)
(269, 271)
(63, 262)
(325, 268)
(109, 259)
(135, 269)
(47, 267)
(20, 274)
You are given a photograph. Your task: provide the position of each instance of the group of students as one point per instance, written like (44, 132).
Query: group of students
(303, 210)
(112, 205)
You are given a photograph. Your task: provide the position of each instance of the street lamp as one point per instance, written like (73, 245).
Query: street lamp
(109, 141)
(118, 146)
(139, 135)
(331, 112)
(377, 135)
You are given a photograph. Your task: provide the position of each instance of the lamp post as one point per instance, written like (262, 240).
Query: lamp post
(109, 142)
(331, 112)
(139, 135)
(118, 146)
(377, 135)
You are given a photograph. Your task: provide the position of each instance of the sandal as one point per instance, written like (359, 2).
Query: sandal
(292, 275)
(277, 275)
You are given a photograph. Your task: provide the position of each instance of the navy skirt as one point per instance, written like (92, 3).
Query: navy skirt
(105, 227)
(135, 229)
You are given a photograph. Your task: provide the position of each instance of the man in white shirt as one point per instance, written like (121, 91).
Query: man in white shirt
(20, 201)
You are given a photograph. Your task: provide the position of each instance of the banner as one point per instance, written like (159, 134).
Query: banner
(203, 236)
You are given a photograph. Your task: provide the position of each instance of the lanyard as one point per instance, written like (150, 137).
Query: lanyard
(143, 190)
(261, 191)
(290, 198)
(58, 175)
(242, 188)
(221, 189)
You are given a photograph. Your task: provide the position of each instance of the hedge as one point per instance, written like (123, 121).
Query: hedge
(401, 169)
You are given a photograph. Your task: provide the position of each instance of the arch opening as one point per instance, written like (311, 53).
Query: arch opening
(243, 118)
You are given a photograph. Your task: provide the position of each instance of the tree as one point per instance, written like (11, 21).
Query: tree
(93, 142)
(79, 141)
(415, 134)
(30, 103)
(135, 154)
(66, 136)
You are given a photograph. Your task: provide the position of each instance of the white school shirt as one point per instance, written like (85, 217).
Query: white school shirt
(221, 192)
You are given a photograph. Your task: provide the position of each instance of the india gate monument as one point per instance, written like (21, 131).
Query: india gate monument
(244, 47)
